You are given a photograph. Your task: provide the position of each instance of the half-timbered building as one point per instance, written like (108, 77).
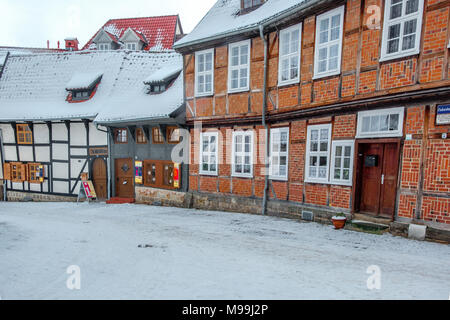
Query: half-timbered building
(313, 107)
(54, 109)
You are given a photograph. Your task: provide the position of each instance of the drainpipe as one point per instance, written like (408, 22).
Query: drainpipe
(108, 160)
(264, 123)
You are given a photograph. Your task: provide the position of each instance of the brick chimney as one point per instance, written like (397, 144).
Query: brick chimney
(71, 44)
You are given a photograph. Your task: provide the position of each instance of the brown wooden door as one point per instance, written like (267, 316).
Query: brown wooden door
(99, 178)
(379, 178)
(124, 178)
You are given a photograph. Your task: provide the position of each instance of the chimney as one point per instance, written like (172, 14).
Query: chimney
(71, 44)
(48, 44)
(58, 44)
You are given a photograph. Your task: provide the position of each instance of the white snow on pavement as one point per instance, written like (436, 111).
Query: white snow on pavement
(195, 254)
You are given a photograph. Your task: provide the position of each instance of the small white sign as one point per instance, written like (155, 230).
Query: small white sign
(443, 114)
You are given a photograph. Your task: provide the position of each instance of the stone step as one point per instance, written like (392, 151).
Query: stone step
(369, 218)
(369, 224)
(117, 200)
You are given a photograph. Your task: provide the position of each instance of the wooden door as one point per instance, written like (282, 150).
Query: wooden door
(371, 178)
(124, 178)
(379, 178)
(99, 178)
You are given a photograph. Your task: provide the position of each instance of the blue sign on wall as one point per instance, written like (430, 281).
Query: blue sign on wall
(443, 114)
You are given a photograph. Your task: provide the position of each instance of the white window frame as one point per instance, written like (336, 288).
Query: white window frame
(384, 44)
(328, 15)
(239, 67)
(297, 27)
(242, 154)
(343, 144)
(318, 153)
(203, 136)
(204, 73)
(104, 46)
(131, 44)
(397, 133)
(279, 154)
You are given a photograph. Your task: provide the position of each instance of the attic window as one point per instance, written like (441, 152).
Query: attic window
(250, 5)
(83, 86)
(162, 79)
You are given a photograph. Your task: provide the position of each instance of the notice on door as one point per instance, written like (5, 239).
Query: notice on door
(443, 114)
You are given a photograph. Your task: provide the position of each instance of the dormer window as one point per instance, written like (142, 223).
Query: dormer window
(249, 5)
(104, 46)
(83, 86)
(162, 79)
(132, 46)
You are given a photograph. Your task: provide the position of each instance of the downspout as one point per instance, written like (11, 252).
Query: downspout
(108, 160)
(264, 123)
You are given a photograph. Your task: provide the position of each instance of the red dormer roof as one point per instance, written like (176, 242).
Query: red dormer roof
(158, 32)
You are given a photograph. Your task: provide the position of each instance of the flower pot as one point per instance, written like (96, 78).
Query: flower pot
(339, 222)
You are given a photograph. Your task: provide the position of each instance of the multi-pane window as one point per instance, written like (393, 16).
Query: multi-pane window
(381, 123)
(279, 153)
(104, 46)
(289, 64)
(328, 48)
(208, 153)
(24, 134)
(157, 136)
(402, 28)
(35, 173)
(18, 172)
(204, 72)
(121, 135)
(242, 154)
(173, 134)
(342, 162)
(239, 66)
(318, 153)
(140, 136)
(131, 46)
(247, 4)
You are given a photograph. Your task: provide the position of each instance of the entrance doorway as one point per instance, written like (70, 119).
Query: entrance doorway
(99, 178)
(376, 177)
(124, 178)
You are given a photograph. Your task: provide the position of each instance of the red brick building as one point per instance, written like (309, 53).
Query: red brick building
(353, 94)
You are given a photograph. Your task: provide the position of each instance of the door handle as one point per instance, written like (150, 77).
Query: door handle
(382, 179)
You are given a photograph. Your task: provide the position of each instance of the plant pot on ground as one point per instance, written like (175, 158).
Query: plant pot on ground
(339, 221)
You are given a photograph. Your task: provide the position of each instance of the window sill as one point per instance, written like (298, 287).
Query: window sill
(209, 174)
(242, 176)
(333, 183)
(231, 91)
(204, 95)
(328, 74)
(275, 178)
(288, 83)
(379, 135)
(385, 58)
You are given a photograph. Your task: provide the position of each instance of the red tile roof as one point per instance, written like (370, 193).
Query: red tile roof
(159, 32)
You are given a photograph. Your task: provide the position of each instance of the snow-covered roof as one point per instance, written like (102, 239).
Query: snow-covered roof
(33, 87)
(224, 18)
(3, 58)
(164, 74)
(81, 80)
(157, 32)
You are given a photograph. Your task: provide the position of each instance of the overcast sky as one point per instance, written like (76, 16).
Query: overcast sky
(30, 23)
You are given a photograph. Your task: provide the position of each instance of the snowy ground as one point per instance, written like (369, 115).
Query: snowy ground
(204, 255)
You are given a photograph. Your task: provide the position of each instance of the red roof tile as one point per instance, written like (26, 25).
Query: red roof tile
(159, 32)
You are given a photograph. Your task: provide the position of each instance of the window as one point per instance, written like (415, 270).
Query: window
(242, 155)
(402, 28)
(140, 136)
(173, 134)
(161, 174)
(132, 46)
(157, 88)
(35, 173)
(18, 172)
(380, 123)
(279, 153)
(157, 136)
(204, 72)
(104, 46)
(327, 57)
(81, 95)
(238, 66)
(149, 173)
(342, 162)
(318, 153)
(208, 153)
(24, 134)
(290, 47)
(121, 136)
(248, 4)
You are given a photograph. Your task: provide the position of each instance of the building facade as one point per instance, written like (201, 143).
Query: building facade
(353, 95)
